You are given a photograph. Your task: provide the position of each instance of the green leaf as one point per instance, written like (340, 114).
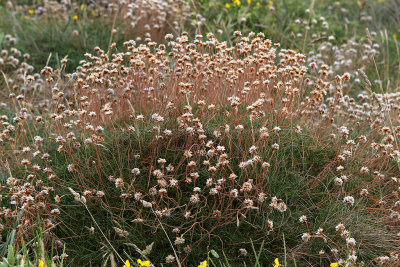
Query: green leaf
(215, 254)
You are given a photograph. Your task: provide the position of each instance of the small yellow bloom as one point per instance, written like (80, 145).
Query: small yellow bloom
(143, 263)
(227, 5)
(276, 263)
(249, 2)
(334, 264)
(127, 264)
(31, 11)
(270, 3)
(93, 12)
(75, 17)
(41, 263)
(195, 20)
(236, 2)
(258, 3)
(394, 36)
(203, 264)
(82, 6)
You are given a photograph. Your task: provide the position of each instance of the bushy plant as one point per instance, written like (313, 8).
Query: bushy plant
(170, 148)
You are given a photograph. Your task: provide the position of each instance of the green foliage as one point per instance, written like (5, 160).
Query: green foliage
(28, 255)
(49, 40)
(296, 166)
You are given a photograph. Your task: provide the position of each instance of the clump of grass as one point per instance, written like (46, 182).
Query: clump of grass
(197, 142)
(204, 143)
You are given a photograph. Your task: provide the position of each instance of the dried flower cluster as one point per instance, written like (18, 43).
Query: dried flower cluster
(190, 135)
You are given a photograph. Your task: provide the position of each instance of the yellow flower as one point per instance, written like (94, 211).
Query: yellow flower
(203, 264)
(195, 20)
(394, 36)
(31, 11)
(334, 264)
(276, 263)
(227, 5)
(41, 263)
(93, 12)
(82, 6)
(75, 17)
(270, 3)
(143, 263)
(236, 2)
(127, 264)
(249, 2)
(258, 3)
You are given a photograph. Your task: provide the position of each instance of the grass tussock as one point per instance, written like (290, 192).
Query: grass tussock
(171, 147)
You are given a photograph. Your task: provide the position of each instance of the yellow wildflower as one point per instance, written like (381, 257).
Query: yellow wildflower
(127, 264)
(143, 263)
(236, 2)
(276, 263)
(249, 2)
(334, 264)
(258, 3)
(394, 36)
(270, 3)
(31, 11)
(195, 20)
(203, 264)
(93, 12)
(75, 17)
(82, 6)
(227, 5)
(41, 263)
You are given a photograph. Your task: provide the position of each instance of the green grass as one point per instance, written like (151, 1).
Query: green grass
(300, 162)
(49, 41)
